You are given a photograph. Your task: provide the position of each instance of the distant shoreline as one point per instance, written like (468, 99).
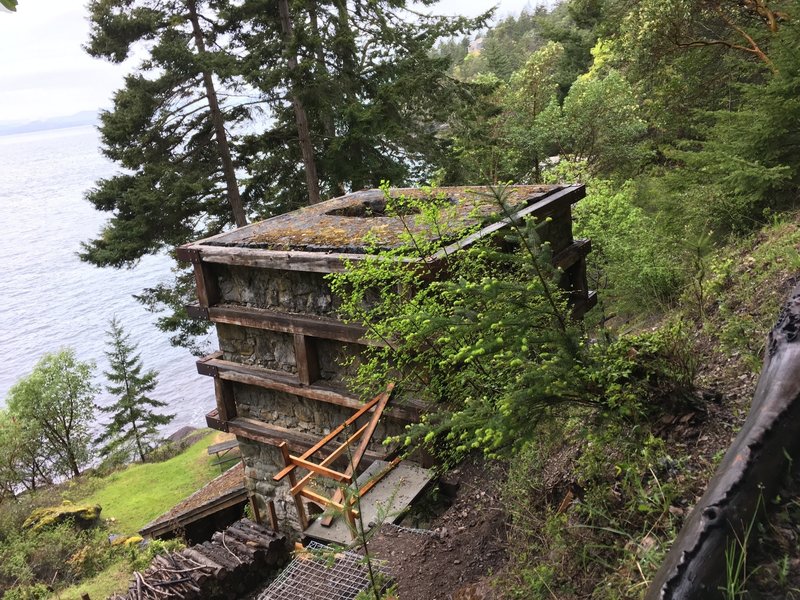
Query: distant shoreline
(81, 119)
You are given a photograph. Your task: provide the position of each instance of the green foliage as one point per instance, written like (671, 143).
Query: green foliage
(54, 556)
(637, 264)
(58, 398)
(134, 422)
(599, 126)
(493, 346)
(589, 504)
(9, 4)
(141, 557)
(22, 462)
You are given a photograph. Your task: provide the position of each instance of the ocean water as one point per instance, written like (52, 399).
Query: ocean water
(50, 299)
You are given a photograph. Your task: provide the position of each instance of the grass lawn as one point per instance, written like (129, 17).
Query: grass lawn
(114, 579)
(136, 495)
(133, 497)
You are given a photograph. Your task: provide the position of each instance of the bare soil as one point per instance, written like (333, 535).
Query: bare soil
(455, 556)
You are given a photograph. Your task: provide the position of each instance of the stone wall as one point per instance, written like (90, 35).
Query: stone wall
(337, 361)
(283, 291)
(261, 462)
(259, 347)
(288, 292)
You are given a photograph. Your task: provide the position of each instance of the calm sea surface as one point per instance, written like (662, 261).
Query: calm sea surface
(50, 299)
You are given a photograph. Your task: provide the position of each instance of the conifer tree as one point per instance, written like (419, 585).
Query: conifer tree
(134, 419)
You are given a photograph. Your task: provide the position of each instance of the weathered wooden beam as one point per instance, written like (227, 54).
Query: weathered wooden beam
(226, 401)
(284, 382)
(320, 469)
(355, 460)
(559, 199)
(273, 435)
(259, 318)
(207, 287)
(331, 458)
(747, 478)
(572, 254)
(295, 260)
(306, 359)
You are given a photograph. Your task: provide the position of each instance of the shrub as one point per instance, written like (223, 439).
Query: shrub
(493, 347)
(636, 263)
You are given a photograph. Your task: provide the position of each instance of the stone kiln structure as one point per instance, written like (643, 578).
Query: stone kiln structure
(280, 373)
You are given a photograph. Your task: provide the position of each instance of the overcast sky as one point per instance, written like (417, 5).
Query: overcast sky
(45, 73)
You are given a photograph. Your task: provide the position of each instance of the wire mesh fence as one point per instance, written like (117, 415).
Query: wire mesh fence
(322, 573)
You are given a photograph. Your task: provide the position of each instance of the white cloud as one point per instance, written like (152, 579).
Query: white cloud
(44, 72)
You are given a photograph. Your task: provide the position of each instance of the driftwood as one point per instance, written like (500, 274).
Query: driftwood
(238, 555)
(747, 478)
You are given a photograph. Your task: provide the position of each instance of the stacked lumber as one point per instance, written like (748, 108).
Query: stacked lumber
(224, 567)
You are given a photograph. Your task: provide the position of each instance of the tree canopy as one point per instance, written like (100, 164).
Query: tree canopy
(55, 406)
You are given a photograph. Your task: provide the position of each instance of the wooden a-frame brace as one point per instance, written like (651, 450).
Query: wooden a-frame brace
(299, 488)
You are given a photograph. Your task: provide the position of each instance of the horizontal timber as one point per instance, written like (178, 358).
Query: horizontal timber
(227, 370)
(556, 201)
(260, 318)
(258, 431)
(232, 498)
(572, 253)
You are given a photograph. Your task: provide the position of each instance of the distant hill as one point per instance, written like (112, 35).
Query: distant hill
(86, 117)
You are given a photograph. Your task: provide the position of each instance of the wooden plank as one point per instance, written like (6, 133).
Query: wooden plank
(206, 285)
(320, 470)
(298, 503)
(261, 318)
(306, 359)
(551, 203)
(572, 254)
(373, 481)
(356, 458)
(222, 447)
(273, 515)
(226, 403)
(214, 422)
(319, 499)
(310, 262)
(331, 436)
(273, 435)
(341, 449)
(285, 382)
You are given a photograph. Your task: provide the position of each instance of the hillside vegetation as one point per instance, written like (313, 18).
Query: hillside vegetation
(39, 564)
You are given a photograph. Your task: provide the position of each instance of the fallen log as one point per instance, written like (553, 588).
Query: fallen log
(747, 478)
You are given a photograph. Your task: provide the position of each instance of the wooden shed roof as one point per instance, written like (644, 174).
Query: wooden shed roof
(360, 222)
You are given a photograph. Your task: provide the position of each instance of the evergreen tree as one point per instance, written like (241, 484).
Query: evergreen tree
(134, 420)
(167, 129)
(372, 90)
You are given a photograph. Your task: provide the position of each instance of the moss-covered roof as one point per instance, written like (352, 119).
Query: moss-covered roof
(362, 221)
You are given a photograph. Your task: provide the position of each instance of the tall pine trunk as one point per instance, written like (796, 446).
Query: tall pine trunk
(301, 118)
(234, 199)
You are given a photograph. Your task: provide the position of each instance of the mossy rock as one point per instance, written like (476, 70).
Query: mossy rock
(124, 540)
(83, 515)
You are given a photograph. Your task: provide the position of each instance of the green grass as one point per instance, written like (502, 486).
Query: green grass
(133, 497)
(113, 579)
(136, 495)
